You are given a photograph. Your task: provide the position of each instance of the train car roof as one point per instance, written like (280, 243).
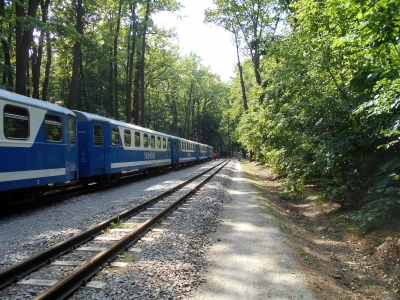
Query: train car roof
(185, 140)
(84, 116)
(6, 95)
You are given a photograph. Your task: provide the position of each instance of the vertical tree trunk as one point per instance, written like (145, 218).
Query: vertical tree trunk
(110, 86)
(136, 96)
(128, 102)
(48, 64)
(142, 65)
(116, 98)
(7, 73)
(77, 51)
(24, 36)
(37, 59)
(85, 98)
(241, 74)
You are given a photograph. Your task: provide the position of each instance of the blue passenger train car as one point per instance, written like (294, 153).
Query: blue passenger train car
(37, 146)
(108, 147)
(44, 144)
(184, 151)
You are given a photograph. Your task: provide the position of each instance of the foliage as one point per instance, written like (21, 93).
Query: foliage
(328, 109)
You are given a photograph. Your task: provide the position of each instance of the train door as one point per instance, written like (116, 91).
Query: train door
(175, 151)
(72, 150)
(98, 157)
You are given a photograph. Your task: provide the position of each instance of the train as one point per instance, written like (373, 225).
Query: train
(45, 145)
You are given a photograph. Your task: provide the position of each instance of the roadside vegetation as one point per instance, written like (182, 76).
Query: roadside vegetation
(322, 91)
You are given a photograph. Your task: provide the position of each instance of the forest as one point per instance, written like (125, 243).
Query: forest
(315, 95)
(108, 57)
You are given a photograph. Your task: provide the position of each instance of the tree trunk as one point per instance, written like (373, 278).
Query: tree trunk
(7, 73)
(110, 86)
(241, 74)
(24, 36)
(37, 59)
(85, 98)
(47, 71)
(128, 101)
(136, 96)
(77, 51)
(116, 98)
(142, 65)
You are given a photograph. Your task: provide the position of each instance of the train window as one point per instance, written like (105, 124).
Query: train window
(164, 142)
(72, 132)
(145, 140)
(153, 142)
(52, 128)
(16, 122)
(168, 144)
(137, 139)
(114, 136)
(127, 138)
(175, 145)
(159, 142)
(98, 135)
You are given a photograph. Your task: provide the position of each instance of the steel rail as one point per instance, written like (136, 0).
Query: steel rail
(16, 271)
(81, 275)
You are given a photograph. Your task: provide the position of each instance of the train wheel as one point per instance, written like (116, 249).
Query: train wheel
(114, 177)
(5, 198)
(85, 181)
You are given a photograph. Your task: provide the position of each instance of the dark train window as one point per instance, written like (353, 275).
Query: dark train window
(153, 142)
(72, 133)
(137, 139)
(145, 140)
(175, 145)
(159, 142)
(168, 144)
(164, 142)
(98, 135)
(53, 128)
(114, 136)
(16, 122)
(127, 138)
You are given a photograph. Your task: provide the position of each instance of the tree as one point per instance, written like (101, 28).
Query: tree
(77, 52)
(24, 37)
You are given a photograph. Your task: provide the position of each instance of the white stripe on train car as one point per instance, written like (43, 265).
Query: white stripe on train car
(138, 163)
(21, 175)
(202, 157)
(187, 159)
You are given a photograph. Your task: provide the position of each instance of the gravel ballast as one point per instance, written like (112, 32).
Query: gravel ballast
(172, 260)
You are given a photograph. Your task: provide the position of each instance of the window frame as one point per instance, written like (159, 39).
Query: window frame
(26, 118)
(115, 132)
(96, 141)
(127, 132)
(49, 122)
(138, 134)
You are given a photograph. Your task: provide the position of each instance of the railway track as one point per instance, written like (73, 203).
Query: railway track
(122, 231)
(57, 194)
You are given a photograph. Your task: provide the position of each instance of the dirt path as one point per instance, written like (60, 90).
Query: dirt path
(250, 256)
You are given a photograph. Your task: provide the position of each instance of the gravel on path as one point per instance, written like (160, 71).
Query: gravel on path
(250, 259)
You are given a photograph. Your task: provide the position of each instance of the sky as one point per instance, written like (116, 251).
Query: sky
(213, 44)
